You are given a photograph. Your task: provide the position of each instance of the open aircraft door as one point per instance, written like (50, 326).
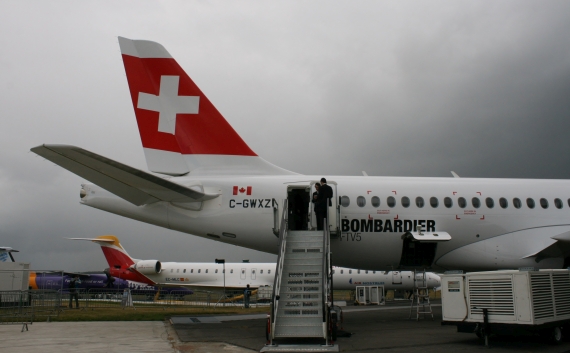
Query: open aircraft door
(419, 248)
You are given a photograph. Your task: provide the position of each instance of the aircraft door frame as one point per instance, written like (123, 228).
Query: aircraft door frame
(396, 277)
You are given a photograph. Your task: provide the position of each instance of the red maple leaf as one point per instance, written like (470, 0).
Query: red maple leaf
(242, 190)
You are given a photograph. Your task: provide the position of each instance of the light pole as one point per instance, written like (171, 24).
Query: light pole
(223, 262)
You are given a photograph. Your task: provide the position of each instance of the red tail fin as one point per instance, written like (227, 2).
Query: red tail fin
(178, 125)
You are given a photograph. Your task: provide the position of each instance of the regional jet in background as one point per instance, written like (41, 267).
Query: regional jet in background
(238, 275)
(6, 254)
(207, 182)
(103, 281)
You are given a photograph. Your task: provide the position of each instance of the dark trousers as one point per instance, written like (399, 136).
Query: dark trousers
(71, 295)
(320, 219)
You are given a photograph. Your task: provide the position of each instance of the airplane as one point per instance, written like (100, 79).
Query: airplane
(6, 254)
(60, 281)
(206, 181)
(237, 275)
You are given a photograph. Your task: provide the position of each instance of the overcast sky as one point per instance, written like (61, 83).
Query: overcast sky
(401, 88)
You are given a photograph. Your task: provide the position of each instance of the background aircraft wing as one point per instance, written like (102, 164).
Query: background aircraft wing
(134, 185)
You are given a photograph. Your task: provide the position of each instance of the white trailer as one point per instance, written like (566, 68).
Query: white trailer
(507, 302)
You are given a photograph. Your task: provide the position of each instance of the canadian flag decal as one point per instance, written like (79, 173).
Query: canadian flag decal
(240, 190)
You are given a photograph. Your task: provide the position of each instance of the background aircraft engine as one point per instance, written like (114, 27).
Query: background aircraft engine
(148, 267)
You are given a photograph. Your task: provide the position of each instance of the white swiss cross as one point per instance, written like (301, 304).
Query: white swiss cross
(168, 103)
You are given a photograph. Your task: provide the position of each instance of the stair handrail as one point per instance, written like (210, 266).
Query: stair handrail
(279, 268)
(326, 277)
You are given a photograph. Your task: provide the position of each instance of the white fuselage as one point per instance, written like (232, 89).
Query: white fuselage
(239, 275)
(482, 238)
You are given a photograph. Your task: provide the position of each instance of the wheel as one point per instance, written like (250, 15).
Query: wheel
(556, 337)
(552, 335)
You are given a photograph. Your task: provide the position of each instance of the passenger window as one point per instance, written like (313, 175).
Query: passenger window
(476, 202)
(341, 272)
(461, 202)
(206, 270)
(375, 201)
(489, 202)
(448, 202)
(361, 201)
(349, 272)
(268, 272)
(260, 272)
(503, 202)
(544, 203)
(406, 201)
(344, 201)
(199, 270)
(171, 270)
(232, 270)
(184, 271)
(420, 202)
(366, 271)
(192, 271)
(177, 270)
(433, 202)
(517, 202)
(358, 271)
(216, 271)
(391, 201)
(558, 203)
(530, 203)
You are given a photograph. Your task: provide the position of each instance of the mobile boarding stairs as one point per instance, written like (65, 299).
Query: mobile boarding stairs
(302, 314)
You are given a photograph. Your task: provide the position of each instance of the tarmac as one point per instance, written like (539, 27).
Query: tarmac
(368, 329)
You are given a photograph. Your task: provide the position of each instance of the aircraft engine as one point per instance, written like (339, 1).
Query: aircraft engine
(148, 267)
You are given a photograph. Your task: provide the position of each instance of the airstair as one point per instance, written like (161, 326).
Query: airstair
(301, 317)
(421, 295)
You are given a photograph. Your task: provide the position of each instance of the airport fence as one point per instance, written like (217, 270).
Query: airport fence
(25, 307)
(151, 298)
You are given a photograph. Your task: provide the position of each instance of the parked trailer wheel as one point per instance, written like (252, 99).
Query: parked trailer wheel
(556, 337)
(552, 335)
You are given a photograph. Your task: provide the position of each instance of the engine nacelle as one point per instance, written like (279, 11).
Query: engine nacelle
(148, 267)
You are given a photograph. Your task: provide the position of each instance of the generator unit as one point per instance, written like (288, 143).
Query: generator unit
(507, 302)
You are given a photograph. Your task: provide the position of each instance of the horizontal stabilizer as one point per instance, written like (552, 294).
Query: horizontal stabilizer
(133, 185)
(95, 240)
